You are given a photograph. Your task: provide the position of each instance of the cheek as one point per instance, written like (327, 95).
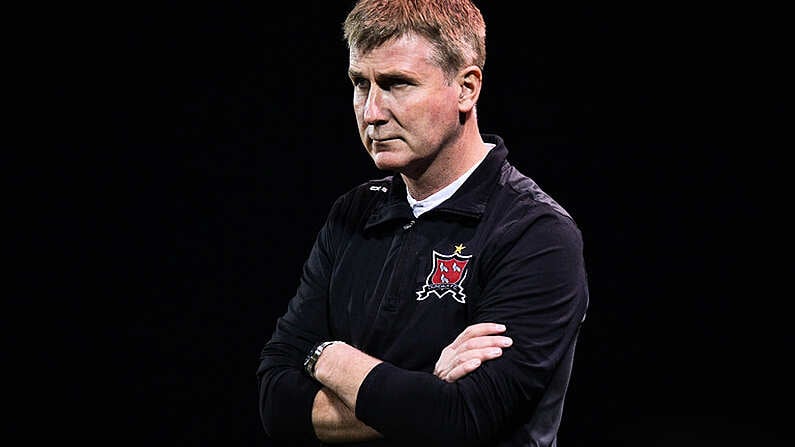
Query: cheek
(360, 120)
(441, 107)
(358, 108)
(438, 115)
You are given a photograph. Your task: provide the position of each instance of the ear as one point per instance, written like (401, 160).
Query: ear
(469, 80)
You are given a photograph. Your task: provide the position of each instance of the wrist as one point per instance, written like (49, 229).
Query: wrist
(310, 364)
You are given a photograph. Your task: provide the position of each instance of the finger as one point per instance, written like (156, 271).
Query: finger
(486, 341)
(463, 363)
(462, 370)
(477, 330)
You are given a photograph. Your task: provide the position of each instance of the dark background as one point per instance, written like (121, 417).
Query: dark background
(201, 146)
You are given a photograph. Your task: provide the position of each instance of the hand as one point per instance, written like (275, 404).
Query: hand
(476, 344)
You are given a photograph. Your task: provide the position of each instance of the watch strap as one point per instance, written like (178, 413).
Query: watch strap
(314, 355)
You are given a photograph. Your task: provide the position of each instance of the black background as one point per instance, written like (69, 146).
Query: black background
(200, 147)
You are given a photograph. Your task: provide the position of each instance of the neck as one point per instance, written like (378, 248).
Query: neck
(449, 164)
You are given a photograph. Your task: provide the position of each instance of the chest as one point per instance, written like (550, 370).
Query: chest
(404, 293)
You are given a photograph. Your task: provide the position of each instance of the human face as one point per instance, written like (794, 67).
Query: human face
(406, 109)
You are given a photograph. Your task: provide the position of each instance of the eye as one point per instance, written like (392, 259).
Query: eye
(360, 83)
(394, 82)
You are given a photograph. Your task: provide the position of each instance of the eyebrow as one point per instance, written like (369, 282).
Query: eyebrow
(354, 74)
(386, 77)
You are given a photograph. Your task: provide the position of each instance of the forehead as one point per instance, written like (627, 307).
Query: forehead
(406, 53)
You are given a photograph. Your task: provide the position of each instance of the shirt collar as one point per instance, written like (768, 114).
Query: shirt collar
(469, 199)
(420, 207)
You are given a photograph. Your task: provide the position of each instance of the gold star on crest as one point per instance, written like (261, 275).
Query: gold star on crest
(459, 248)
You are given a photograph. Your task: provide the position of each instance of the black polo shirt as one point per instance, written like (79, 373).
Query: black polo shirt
(402, 288)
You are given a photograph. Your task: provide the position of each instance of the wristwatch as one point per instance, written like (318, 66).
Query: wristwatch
(314, 355)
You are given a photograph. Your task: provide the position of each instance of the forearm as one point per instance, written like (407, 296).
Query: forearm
(342, 369)
(286, 402)
(391, 399)
(412, 406)
(334, 422)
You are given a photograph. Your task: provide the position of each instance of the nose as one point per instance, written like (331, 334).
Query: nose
(374, 110)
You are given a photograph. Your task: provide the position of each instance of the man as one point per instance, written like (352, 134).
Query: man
(439, 305)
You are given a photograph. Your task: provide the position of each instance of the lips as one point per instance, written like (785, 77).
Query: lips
(382, 139)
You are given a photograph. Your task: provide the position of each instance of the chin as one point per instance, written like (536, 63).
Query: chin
(395, 167)
(386, 161)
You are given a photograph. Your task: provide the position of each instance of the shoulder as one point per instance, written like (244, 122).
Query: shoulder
(361, 198)
(367, 190)
(520, 210)
(522, 189)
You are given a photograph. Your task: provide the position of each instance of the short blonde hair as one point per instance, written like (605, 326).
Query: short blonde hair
(455, 28)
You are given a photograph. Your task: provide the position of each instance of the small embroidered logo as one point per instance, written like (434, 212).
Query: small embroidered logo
(446, 276)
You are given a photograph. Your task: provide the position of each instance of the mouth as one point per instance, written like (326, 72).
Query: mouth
(383, 145)
(380, 141)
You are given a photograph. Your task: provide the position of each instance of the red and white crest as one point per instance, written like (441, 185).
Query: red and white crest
(446, 276)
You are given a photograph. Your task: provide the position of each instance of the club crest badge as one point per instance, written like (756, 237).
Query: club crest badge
(447, 275)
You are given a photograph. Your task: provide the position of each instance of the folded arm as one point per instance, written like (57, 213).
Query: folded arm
(342, 369)
(540, 293)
